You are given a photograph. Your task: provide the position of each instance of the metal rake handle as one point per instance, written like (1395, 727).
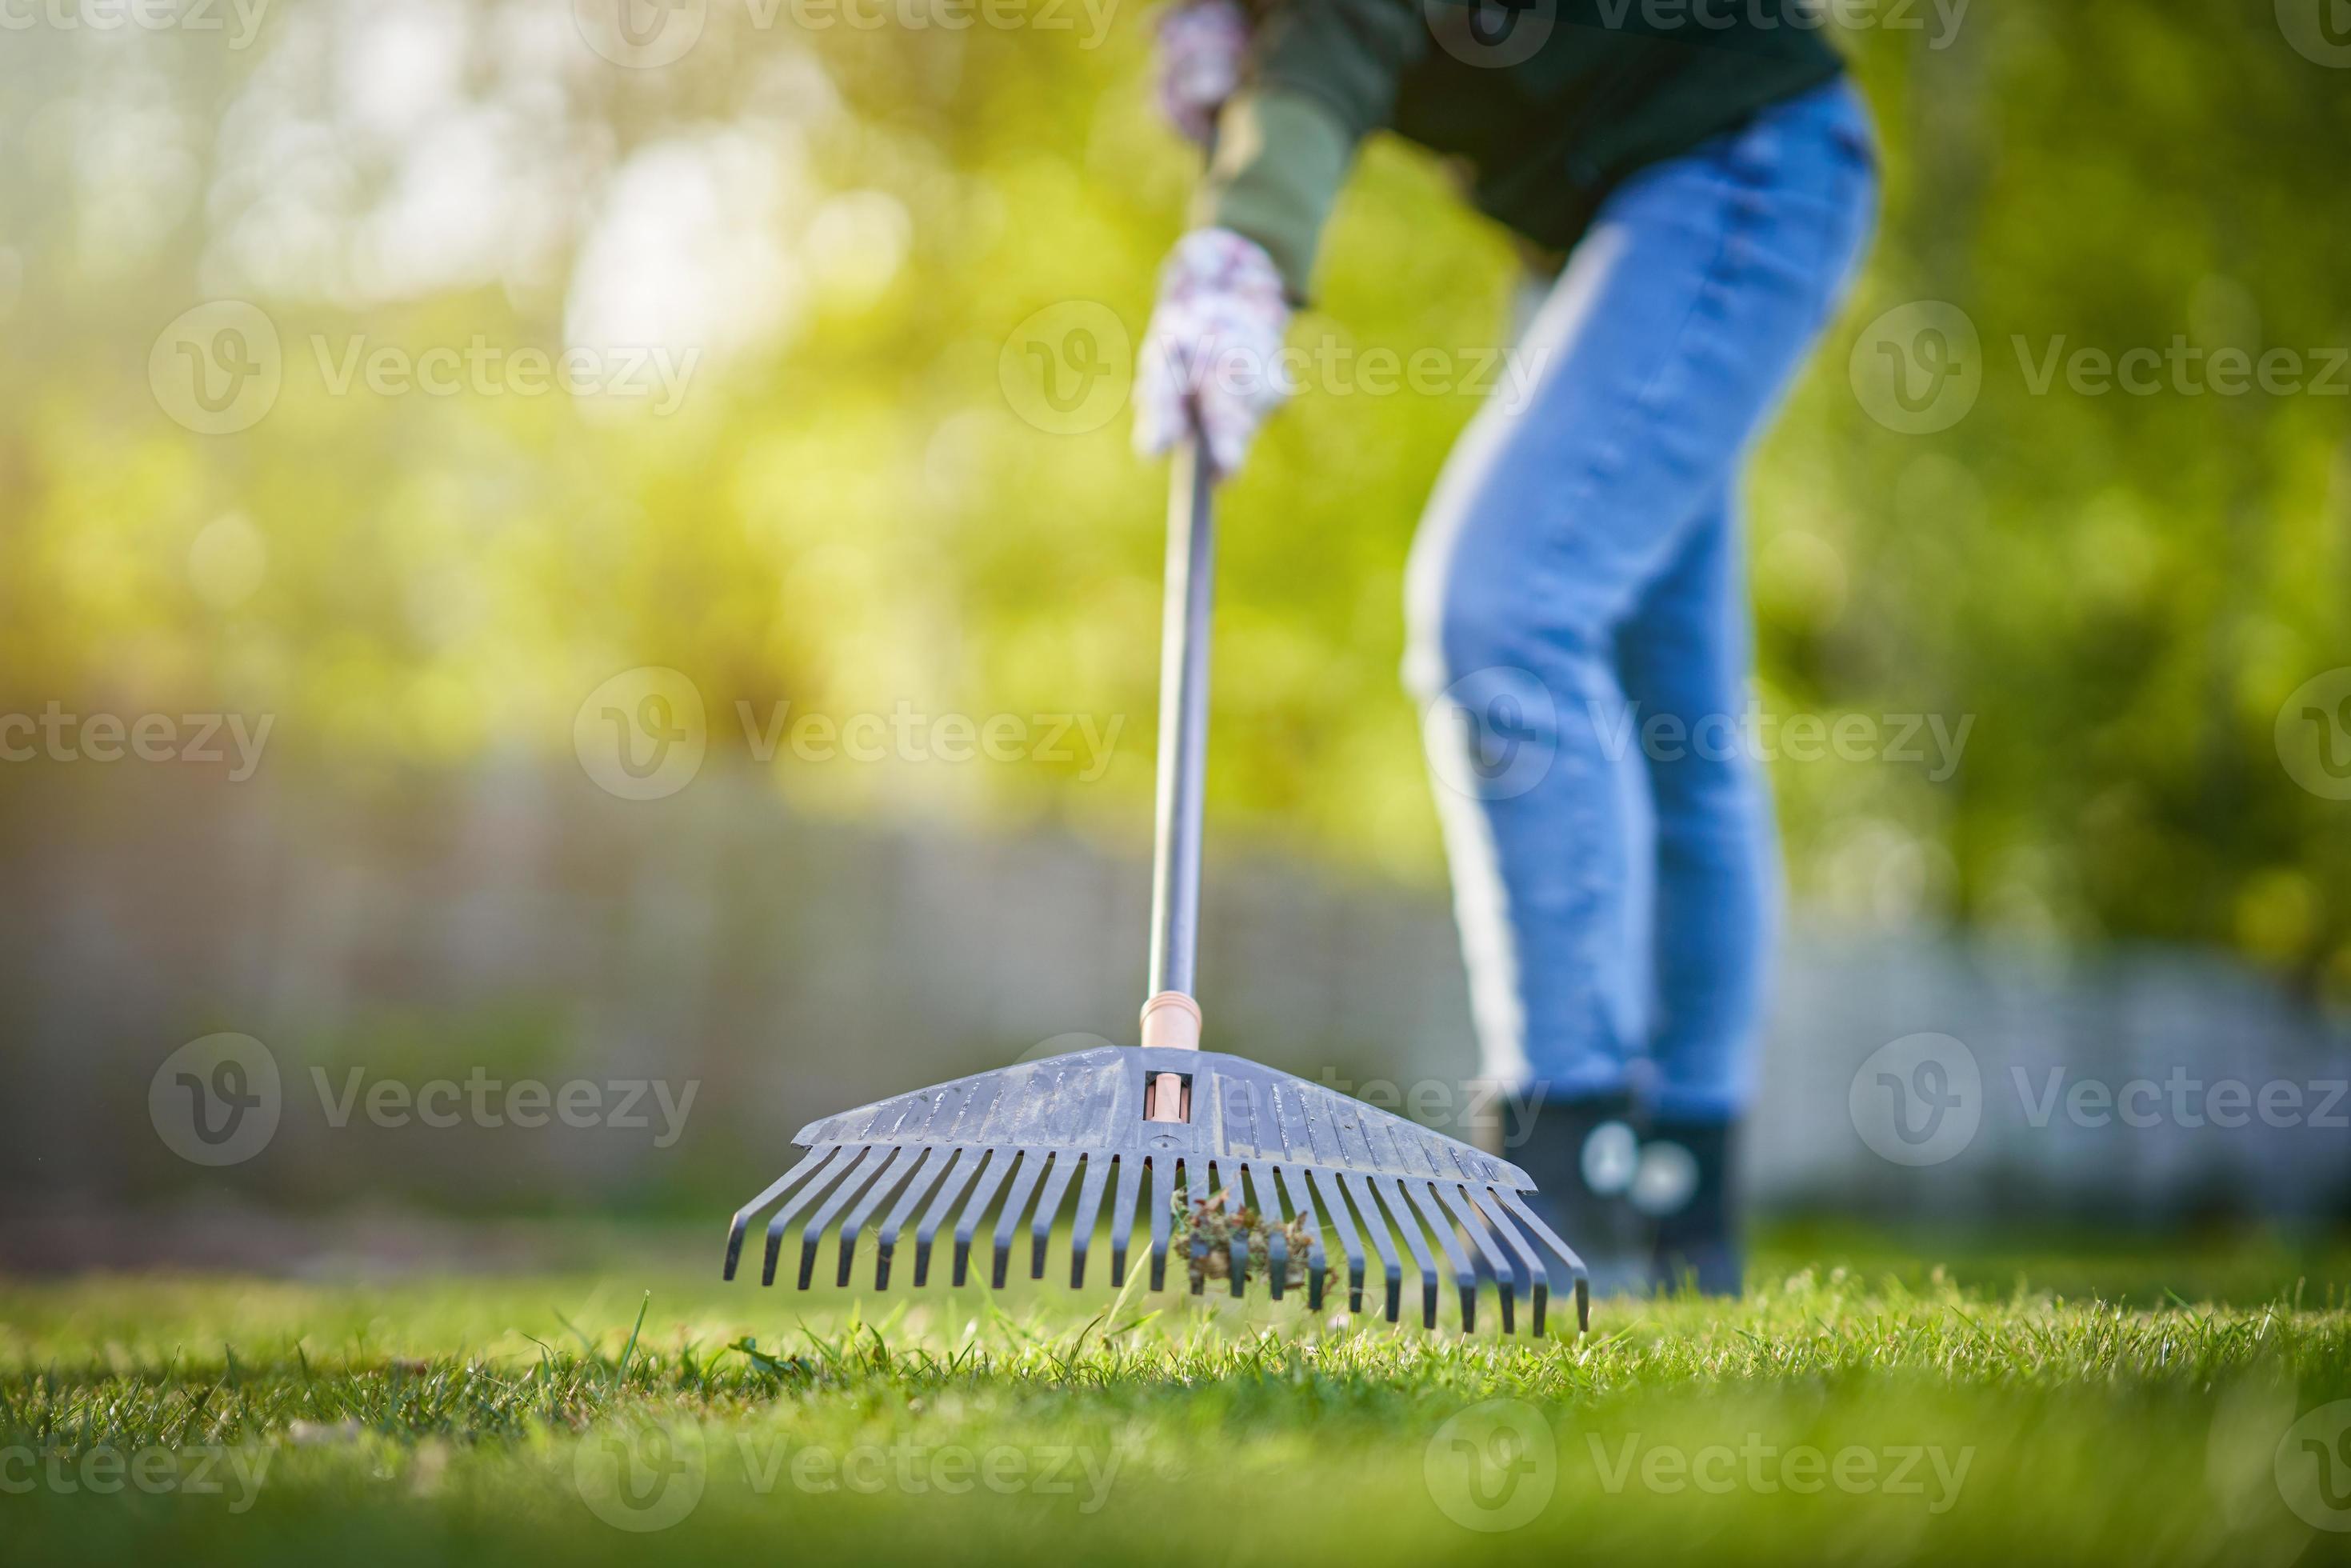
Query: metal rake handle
(1171, 1016)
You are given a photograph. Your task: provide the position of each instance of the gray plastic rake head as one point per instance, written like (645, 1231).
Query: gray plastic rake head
(1299, 1155)
(1262, 1160)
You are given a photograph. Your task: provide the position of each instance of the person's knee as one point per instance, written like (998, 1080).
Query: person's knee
(1489, 621)
(1494, 614)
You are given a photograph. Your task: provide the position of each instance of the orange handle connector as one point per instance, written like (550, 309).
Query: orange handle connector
(1171, 1021)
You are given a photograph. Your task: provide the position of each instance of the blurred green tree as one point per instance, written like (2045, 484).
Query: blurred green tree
(2116, 592)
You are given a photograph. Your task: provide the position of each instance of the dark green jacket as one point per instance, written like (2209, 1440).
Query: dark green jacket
(1549, 106)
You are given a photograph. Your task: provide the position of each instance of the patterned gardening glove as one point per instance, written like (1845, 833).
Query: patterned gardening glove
(1214, 346)
(1198, 64)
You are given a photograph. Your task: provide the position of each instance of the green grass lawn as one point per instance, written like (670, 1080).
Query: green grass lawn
(1861, 1405)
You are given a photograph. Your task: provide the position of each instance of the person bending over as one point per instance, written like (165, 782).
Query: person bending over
(1710, 175)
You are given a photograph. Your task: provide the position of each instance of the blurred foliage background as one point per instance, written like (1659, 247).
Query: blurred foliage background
(848, 225)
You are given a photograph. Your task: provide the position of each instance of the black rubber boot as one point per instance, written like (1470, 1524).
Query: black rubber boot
(1687, 1185)
(1582, 1155)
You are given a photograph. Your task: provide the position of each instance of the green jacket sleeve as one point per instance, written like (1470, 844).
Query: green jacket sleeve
(1322, 77)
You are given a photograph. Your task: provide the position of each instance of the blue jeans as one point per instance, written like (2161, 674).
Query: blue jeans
(1579, 635)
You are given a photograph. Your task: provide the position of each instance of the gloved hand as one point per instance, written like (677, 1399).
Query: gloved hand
(1198, 63)
(1214, 346)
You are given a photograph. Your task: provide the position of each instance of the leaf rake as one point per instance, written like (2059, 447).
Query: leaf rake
(1249, 1160)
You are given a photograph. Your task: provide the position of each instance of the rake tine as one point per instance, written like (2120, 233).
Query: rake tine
(1163, 1191)
(1360, 1190)
(1291, 1186)
(991, 1177)
(958, 1177)
(916, 1187)
(742, 1220)
(1048, 1207)
(1238, 1245)
(1235, 1198)
(1198, 1245)
(853, 1182)
(1402, 1218)
(1544, 1234)
(1456, 1199)
(1081, 1228)
(1230, 1194)
(1532, 1267)
(902, 1165)
(1121, 1214)
(1277, 1245)
(820, 1179)
(1543, 1231)
(884, 1181)
(1440, 1225)
(1326, 1188)
(1016, 1202)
